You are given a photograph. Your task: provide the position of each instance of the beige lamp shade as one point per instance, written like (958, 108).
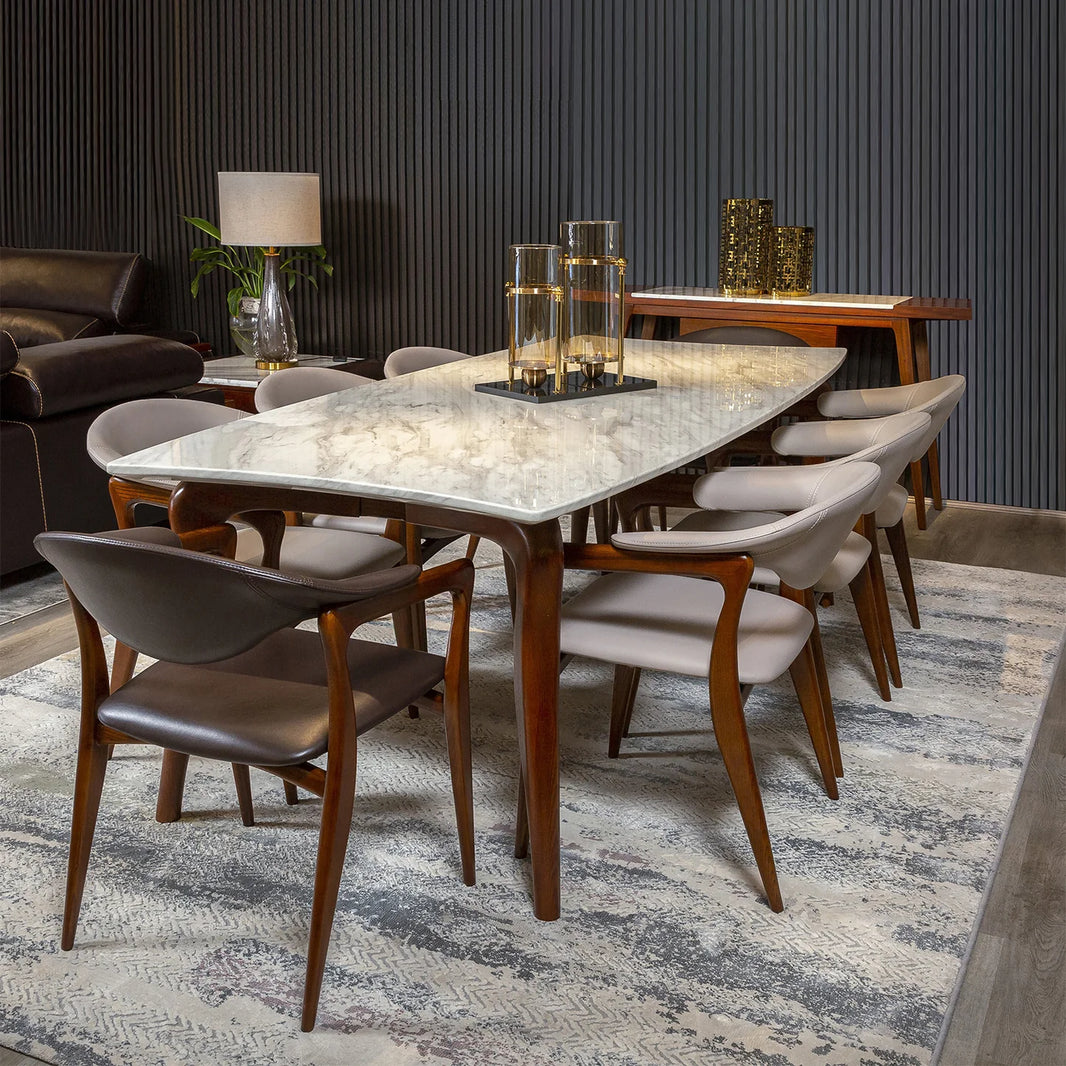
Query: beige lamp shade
(269, 209)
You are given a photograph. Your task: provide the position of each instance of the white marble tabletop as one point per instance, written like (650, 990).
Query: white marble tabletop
(240, 370)
(815, 299)
(430, 438)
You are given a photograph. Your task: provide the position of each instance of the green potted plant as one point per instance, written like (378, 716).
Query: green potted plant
(246, 266)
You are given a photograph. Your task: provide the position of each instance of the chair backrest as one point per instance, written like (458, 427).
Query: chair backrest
(889, 442)
(303, 383)
(129, 427)
(938, 398)
(800, 546)
(743, 335)
(187, 607)
(408, 360)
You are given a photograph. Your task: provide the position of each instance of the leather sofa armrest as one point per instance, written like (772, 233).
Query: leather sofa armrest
(9, 353)
(52, 378)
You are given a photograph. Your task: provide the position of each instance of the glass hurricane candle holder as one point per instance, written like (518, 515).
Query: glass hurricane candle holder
(791, 260)
(534, 296)
(744, 252)
(593, 296)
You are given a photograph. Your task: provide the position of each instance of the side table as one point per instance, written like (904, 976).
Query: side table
(237, 376)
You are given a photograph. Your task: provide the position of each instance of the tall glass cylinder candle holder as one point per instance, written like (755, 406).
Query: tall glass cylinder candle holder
(791, 260)
(534, 296)
(744, 252)
(593, 296)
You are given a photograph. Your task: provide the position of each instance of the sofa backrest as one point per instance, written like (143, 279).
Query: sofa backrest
(51, 295)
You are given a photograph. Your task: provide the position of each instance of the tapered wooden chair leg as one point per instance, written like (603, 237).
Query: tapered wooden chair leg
(243, 783)
(337, 807)
(457, 733)
(171, 786)
(897, 542)
(471, 547)
(731, 732)
(626, 680)
(292, 796)
(88, 784)
(863, 595)
(805, 682)
(125, 661)
(884, 618)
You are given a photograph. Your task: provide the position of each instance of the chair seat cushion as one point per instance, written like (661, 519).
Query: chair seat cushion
(892, 508)
(663, 622)
(267, 706)
(333, 554)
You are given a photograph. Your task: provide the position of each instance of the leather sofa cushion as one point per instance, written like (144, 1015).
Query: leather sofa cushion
(9, 353)
(104, 285)
(30, 326)
(52, 378)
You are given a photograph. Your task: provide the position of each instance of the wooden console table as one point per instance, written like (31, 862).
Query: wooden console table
(817, 319)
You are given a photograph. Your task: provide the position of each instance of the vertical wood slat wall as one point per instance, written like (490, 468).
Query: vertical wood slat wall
(922, 140)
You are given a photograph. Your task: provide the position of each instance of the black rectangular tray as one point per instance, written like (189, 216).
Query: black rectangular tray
(578, 387)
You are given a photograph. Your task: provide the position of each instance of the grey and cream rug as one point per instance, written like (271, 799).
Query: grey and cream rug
(192, 937)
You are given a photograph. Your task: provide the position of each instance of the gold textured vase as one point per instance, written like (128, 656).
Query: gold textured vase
(791, 260)
(744, 253)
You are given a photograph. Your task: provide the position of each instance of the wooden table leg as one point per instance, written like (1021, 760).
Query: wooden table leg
(536, 553)
(924, 372)
(908, 373)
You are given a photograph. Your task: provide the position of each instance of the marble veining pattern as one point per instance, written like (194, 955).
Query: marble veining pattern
(429, 438)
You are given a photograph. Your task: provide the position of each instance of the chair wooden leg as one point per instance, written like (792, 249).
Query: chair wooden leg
(292, 796)
(822, 676)
(626, 680)
(603, 520)
(122, 667)
(242, 780)
(457, 733)
(918, 490)
(731, 732)
(662, 518)
(88, 784)
(171, 786)
(579, 525)
(933, 457)
(471, 547)
(337, 804)
(863, 594)
(897, 542)
(884, 619)
(805, 682)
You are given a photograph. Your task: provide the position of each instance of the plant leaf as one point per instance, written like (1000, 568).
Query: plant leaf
(203, 225)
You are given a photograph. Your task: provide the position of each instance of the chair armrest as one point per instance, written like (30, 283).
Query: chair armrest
(720, 567)
(455, 577)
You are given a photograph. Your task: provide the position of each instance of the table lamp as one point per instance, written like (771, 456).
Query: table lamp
(271, 210)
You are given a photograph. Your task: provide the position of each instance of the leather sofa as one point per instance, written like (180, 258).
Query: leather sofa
(65, 356)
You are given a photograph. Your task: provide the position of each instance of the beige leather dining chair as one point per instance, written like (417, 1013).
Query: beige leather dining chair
(415, 358)
(655, 609)
(137, 424)
(234, 681)
(938, 398)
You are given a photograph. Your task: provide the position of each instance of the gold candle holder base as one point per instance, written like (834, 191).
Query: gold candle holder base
(270, 364)
(534, 376)
(592, 371)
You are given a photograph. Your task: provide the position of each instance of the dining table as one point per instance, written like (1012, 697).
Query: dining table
(429, 448)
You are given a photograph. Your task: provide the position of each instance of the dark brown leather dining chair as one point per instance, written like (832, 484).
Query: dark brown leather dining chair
(233, 681)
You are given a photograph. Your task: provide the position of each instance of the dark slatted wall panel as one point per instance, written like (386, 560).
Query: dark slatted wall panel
(922, 140)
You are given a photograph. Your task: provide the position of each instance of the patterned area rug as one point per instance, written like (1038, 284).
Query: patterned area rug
(32, 594)
(192, 937)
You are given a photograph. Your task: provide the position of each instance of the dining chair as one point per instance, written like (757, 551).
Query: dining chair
(137, 424)
(884, 442)
(235, 682)
(410, 360)
(938, 398)
(681, 602)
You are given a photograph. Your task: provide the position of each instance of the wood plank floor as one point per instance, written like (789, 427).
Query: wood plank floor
(1011, 1008)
